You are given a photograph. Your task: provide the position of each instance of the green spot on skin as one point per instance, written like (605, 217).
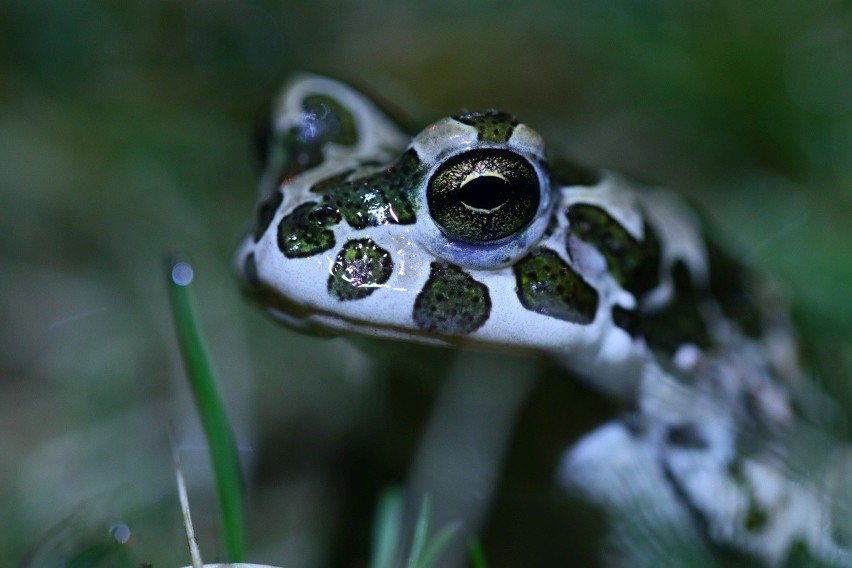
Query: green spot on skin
(300, 148)
(565, 173)
(377, 199)
(732, 284)
(678, 323)
(800, 556)
(250, 271)
(634, 264)
(451, 302)
(330, 183)
(686, 436)
(334, 122)
(265, 213)
(305, 231)
(491, 125)
(290, 155)
(360, 268)
(547, 285)
(756, 518)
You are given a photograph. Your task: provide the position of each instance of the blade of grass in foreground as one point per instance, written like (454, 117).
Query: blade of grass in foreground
(386, 529)
(425, 552)
(477, 556)
(387, 532)
(202, 380)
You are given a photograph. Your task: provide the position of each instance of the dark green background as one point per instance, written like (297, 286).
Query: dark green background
(125, 134)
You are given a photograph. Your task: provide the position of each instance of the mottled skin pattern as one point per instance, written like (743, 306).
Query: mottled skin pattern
(470, 234)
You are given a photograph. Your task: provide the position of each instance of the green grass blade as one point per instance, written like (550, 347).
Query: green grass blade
(476, 554)
(386, 529)
(202, 380)
(436, 546)
(421, 531)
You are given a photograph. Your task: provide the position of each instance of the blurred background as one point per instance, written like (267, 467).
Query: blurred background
(126, 134)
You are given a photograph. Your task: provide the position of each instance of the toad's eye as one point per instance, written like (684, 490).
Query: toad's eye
(482, 196)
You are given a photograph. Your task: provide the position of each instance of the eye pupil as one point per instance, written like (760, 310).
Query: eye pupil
(485, 193)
